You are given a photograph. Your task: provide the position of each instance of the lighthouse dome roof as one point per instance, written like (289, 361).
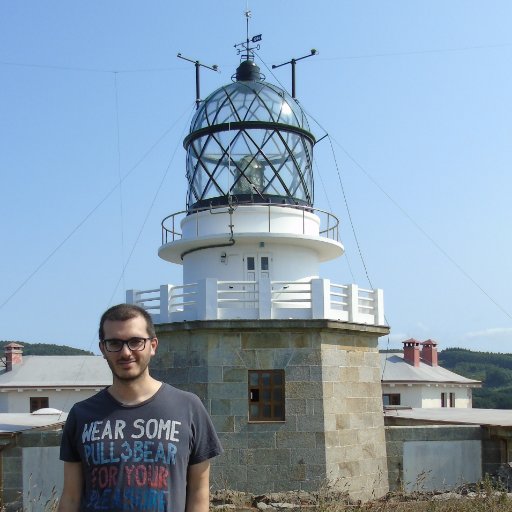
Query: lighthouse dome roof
(249, 101)
(249, 141)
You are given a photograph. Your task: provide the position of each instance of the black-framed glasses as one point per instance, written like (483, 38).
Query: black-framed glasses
(134, 344)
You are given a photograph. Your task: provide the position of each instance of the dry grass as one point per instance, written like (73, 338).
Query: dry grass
(478, 504)
(485, 497)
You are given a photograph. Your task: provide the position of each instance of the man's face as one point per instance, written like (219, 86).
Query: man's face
(128, 365)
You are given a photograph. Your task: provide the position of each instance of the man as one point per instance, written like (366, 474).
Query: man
(138, 445)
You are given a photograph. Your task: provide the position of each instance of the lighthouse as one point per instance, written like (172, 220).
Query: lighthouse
(285, 360)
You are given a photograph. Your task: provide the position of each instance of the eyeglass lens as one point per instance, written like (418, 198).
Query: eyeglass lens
(115, 345)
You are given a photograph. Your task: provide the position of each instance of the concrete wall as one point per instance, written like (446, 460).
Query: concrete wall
(19, 401)
(431, 457)
(334, 424)
(302, 265)
(31, 473)
(42, 477)
(429, 395)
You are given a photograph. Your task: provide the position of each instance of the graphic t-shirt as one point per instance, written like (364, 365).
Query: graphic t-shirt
(135, 458)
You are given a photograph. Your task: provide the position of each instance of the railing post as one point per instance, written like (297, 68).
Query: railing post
(320, 298)
(132, 296)
(207, 300)
(165, 302)
(378, 300)
(353, 302)
(264, 299)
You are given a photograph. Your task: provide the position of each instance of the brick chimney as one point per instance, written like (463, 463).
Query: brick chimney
(13, 355)
(412, 351)
(429, 352)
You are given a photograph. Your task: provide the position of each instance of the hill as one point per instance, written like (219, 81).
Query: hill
(46, 349)
(493, 369)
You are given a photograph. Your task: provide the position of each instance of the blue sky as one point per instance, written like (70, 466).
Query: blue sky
(414, 94)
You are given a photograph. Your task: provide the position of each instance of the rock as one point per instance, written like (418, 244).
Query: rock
(446, 496)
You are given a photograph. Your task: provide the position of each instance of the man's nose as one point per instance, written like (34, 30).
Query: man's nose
(125, 350)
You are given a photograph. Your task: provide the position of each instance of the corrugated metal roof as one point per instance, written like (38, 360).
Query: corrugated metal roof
(488, 417)
(17, 422)
(58, 371)
(395, 369)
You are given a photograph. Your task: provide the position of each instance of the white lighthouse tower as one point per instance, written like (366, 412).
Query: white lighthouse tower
(250, 215)
(286, 361)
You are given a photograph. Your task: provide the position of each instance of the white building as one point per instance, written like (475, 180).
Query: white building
(29, 383)
(413, 378)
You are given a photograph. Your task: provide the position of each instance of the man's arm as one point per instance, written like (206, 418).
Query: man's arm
(72, 492)
(198, 487)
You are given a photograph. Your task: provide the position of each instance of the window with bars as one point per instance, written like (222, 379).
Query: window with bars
(266, 395)
(447, 399)
(38, 402)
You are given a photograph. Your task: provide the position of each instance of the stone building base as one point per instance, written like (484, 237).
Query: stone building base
(333, 432)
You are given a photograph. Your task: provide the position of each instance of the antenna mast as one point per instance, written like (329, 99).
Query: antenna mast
(293, 62)
(198, 65)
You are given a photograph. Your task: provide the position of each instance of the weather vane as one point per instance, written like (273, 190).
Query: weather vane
(245, 49)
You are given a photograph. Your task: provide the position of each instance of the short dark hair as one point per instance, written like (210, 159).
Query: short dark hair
(123, 312)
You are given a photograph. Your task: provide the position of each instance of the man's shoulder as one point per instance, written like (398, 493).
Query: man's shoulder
(98, 399)
(180, 395)
(168, 390)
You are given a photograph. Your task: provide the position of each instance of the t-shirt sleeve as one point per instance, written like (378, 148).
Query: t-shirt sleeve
(206, 444)
(68, 446)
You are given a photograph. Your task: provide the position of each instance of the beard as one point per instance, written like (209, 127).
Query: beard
(133, 374)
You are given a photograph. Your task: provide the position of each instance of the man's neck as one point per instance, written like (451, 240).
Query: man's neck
(133, 392)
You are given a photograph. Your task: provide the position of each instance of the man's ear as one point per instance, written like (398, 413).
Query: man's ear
(102, 350)
(154, 344)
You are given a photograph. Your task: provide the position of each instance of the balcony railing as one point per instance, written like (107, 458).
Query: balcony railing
(210, 299)
(329, 223)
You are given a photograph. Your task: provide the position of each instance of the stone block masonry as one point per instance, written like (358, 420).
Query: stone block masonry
(333, 431)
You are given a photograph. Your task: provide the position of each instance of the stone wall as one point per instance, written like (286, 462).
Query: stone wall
(334, 429)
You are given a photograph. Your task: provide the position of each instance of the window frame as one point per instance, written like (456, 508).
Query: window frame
(392, 396)
(255, 396)
(35, 403)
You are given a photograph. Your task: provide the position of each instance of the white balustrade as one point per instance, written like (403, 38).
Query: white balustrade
(210, 299)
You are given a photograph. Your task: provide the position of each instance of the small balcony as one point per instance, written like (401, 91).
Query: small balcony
(269, 218)
(211, 299)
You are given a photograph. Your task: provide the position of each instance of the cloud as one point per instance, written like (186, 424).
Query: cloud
(491, 332)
